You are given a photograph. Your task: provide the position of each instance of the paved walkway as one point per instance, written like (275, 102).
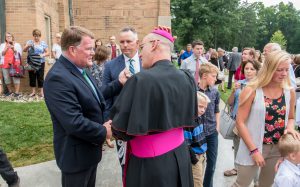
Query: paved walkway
(47, 174)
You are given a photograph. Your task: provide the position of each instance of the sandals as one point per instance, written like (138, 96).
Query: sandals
(230, 173)
(32, 95)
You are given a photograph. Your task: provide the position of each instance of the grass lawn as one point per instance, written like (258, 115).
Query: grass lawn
(225, 96)
(26, 132)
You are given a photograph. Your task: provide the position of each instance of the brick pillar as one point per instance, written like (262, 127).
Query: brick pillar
(164, 13)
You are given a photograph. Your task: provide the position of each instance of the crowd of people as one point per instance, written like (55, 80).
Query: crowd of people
(245, 68)
(34, 63)
(166, 121)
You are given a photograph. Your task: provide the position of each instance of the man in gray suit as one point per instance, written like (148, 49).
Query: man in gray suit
(233, 64)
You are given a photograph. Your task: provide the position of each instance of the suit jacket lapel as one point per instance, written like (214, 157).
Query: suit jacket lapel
(101, 98)
(69, 65)
(80, 76)
(122, 63)
(118, 67)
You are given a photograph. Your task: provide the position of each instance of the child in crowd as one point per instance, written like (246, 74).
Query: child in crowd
(195, 138)
(208, 76)
(288, 174)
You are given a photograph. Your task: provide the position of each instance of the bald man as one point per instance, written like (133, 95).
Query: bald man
(148, 114)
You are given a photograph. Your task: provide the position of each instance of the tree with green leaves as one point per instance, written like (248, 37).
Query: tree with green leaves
(202, 19)
(220, 23)
(279, 38)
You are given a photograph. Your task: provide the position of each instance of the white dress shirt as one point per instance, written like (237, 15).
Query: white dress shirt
(136, 62)
(190, 63)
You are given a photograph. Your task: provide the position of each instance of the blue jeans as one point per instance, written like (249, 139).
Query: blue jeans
(211, 154)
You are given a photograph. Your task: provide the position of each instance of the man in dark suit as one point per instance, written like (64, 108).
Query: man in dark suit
(233, 63)
(76, 106)
(129, 59)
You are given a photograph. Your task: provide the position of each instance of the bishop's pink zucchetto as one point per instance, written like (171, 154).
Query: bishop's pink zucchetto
(165, 32)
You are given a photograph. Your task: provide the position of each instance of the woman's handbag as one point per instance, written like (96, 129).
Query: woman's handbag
(221, 75)
(16, 68)
(34, 60)
(17, 71)
(227, 124)
(28, 67)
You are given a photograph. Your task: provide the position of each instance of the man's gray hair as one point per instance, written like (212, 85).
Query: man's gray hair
(235, 49)
(220, 49)
(130, 29)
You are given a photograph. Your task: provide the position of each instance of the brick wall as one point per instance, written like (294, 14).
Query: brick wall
(22, 16)
(63, 11)
(106, 18)
(103, 17)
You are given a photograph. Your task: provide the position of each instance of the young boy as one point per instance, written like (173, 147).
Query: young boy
(195, 138)
(208, 76)
(288, 174)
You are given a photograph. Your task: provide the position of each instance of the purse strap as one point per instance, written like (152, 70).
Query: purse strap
(227, 106)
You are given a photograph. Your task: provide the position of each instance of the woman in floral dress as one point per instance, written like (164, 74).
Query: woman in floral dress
(265, 113)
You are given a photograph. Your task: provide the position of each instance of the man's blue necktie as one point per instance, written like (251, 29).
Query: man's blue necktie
(131, 67)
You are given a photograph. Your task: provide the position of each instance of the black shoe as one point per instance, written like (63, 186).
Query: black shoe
(16, 184)
(8, 94)
(16, 94)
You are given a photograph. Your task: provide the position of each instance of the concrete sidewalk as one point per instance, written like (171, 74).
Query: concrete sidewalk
(47, 174)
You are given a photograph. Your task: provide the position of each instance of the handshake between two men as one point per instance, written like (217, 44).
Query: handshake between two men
(123, 77)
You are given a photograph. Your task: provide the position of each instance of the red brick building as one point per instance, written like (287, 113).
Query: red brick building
(103, 17)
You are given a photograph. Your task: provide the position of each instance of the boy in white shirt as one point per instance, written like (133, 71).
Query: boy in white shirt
(288, 174)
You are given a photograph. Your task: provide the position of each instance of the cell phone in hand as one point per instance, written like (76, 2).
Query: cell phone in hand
(242, 86)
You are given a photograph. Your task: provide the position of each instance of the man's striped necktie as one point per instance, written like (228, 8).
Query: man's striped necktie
(131, 67)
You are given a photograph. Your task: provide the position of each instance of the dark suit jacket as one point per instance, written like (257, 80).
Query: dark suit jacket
(234, 61)
(77, 117)
(111, 76)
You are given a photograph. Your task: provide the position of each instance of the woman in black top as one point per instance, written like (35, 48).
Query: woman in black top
(215, 61)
